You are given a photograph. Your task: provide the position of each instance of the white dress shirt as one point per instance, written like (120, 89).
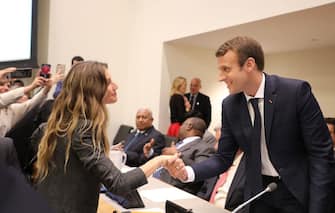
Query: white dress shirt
(267, 167)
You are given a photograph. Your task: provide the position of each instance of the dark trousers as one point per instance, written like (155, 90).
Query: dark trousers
(279, 201)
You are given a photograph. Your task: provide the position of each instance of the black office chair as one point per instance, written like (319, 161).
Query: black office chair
(169, 139)
(122, 133)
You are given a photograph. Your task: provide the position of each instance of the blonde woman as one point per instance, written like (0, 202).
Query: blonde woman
(71, 159)
(179, 105)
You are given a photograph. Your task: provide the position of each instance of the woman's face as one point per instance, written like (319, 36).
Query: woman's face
(182, 87)
(110, 95)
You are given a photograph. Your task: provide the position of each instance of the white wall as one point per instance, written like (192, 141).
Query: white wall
(129, 35)
(96, 30)
(316, 66)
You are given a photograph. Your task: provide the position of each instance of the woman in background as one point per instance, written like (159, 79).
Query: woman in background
(72, 154)
(179, 105)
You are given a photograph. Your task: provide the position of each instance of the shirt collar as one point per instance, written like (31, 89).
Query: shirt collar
(260, 91)
(140, 132)
(186, 141)
(190, 139)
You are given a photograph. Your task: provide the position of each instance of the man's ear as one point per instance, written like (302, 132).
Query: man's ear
(189, 127)
(250, 64)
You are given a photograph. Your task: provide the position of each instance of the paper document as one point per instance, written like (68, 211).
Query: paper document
(151, 210)
(163, 194)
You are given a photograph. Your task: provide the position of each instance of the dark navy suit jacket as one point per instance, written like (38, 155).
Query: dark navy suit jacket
(202, 105)
(135, 156)
(8, 154)
(297, 139)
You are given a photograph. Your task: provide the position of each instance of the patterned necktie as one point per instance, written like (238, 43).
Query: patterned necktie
(255, 172)
(157, 173)
(178, 144)
(192, 101)
(132, 141)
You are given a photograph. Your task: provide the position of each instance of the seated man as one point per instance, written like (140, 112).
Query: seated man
(145, 142)
(192, 150)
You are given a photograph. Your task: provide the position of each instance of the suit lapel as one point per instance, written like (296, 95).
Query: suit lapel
(269, 105)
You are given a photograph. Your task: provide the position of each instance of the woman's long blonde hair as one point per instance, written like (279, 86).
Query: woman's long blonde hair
(81, 98)
(176, 84)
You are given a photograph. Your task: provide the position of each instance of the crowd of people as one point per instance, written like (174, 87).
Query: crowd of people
(272, 131)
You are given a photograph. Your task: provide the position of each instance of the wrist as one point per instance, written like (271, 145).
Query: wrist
(28, 88)
(162, 161)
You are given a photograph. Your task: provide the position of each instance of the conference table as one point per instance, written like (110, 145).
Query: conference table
(154, 195)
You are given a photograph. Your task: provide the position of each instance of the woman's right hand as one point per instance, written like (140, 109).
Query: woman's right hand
(160, 161)
(167, 160)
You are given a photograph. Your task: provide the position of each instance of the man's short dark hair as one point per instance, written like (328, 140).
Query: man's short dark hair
(18, 82)
(245, 48)
(76, 58)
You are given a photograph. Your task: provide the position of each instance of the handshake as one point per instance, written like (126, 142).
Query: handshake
(175, 166)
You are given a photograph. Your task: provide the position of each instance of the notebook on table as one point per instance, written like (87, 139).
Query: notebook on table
(171, 207)
(129, 200)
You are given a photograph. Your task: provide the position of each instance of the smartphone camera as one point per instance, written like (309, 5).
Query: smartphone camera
(45, 70)
(60, 68)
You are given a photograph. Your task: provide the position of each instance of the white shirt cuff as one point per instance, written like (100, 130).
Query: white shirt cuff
(151, 153)
(190, 174)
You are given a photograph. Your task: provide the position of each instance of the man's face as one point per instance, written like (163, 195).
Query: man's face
(235, 77)
(184, 129)
(143, 120)
(195, 86)
(331, 129)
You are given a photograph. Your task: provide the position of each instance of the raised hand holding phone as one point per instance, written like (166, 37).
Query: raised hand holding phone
(45, 70)
(60, 68)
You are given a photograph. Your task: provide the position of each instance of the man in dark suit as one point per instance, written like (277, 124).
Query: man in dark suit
(278, 124)
(192, 150)
(16, 195)
(8, 154)
(199, 102)
(145, 142)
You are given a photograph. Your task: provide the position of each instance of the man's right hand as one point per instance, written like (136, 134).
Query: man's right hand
(176, 169)
(147, 147)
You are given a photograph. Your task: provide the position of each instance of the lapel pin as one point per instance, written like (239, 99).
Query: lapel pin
(270, 101)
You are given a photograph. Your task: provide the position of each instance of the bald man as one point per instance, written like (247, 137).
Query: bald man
(199, 101)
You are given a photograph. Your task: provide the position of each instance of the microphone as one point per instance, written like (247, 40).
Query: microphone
(270, 188)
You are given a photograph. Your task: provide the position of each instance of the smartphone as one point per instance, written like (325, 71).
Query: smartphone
(60, 68)
(45, 70)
